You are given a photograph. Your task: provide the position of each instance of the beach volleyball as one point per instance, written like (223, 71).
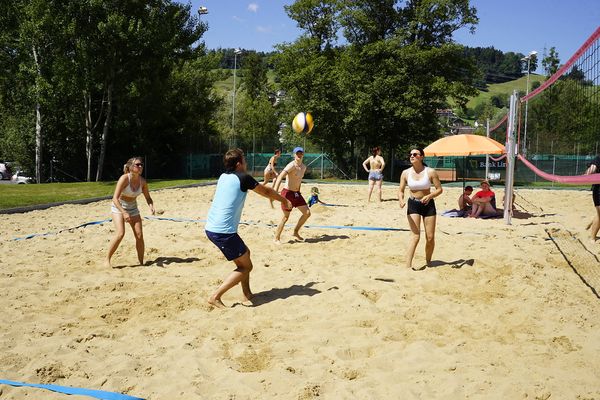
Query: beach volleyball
(303, 123)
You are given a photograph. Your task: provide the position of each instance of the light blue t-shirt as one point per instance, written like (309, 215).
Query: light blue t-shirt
(226, 209)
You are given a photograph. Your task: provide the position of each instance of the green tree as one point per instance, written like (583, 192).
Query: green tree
(551, 62)
(318, 18)
(255, 75)
(385, 85)
(91, 68)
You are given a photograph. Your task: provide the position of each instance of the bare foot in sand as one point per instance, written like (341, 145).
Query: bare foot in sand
(277, 241)
(297, 236)
(216, 303)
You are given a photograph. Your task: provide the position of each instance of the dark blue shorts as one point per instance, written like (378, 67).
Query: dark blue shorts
(596, 195)
(231, 244)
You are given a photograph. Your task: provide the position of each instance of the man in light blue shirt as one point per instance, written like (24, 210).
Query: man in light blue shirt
(224, 217)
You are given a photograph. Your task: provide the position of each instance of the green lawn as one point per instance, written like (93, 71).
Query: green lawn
(12, 196)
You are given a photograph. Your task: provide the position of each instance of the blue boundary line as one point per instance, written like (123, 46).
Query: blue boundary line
(31, 236)
(98, 394)
(356, 228)
(175, 219)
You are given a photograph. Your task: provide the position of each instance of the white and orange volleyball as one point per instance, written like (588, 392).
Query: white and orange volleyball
(303, 123)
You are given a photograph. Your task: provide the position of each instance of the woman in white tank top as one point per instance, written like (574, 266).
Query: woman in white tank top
(124, 207)
(421, 206)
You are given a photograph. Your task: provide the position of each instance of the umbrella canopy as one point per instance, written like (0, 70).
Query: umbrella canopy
(464, 145)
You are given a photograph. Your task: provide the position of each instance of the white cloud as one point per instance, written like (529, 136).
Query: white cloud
(253, 7)
(236, 18)
(264, 29)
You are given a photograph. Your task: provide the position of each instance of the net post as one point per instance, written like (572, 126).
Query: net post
(510, 159)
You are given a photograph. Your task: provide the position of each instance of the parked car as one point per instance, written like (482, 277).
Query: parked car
(12, 171)
(5, 171)
(21, 178)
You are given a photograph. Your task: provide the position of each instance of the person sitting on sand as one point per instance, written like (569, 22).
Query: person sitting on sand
(314, 197)
(224, 217)
(464, 201)
(484, 202)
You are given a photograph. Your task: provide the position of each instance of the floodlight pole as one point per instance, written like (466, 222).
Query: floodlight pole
(235, 54)
(528, 58)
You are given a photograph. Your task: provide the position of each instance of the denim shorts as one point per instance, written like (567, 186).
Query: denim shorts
(375, 176)
(231, 244)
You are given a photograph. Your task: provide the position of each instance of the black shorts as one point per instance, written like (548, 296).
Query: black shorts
(231, 244)
(596, 195)
(416, 207)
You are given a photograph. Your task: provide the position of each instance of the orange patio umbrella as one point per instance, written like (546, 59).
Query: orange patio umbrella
(464, 145)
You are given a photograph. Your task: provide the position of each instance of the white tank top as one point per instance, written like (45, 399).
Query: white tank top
(422, 183)
(128, 190)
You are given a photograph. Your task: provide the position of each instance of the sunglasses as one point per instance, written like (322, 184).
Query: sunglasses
(138, 164)
(414, 154)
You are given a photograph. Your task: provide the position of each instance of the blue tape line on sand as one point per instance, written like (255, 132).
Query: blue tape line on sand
(176, 219)
(356, 228)
(63, 230)
(99, 394)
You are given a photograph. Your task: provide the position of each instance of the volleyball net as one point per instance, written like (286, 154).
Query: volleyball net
(558, 123)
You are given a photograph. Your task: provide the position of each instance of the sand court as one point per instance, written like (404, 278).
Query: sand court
(507, 311)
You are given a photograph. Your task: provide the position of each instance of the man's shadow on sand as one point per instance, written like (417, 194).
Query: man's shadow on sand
(161, 262)
(325, 238)
(457, 264)
(268, 296)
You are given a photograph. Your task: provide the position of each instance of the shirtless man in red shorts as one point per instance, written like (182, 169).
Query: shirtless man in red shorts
(293, 172)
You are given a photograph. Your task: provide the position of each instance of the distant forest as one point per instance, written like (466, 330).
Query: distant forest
(494, 65)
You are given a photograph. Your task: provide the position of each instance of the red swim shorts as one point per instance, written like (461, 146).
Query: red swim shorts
(294, 197)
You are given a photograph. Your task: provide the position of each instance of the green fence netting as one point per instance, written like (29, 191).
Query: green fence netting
(474, 167)
(319, 166)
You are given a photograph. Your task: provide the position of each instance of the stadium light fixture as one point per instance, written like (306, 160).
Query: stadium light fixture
(528, 58)
(202, 10)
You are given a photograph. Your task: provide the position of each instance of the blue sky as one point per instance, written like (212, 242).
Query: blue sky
(508, 25)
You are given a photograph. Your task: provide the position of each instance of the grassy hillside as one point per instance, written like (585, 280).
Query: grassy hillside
(505, 89)
(225, 87)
